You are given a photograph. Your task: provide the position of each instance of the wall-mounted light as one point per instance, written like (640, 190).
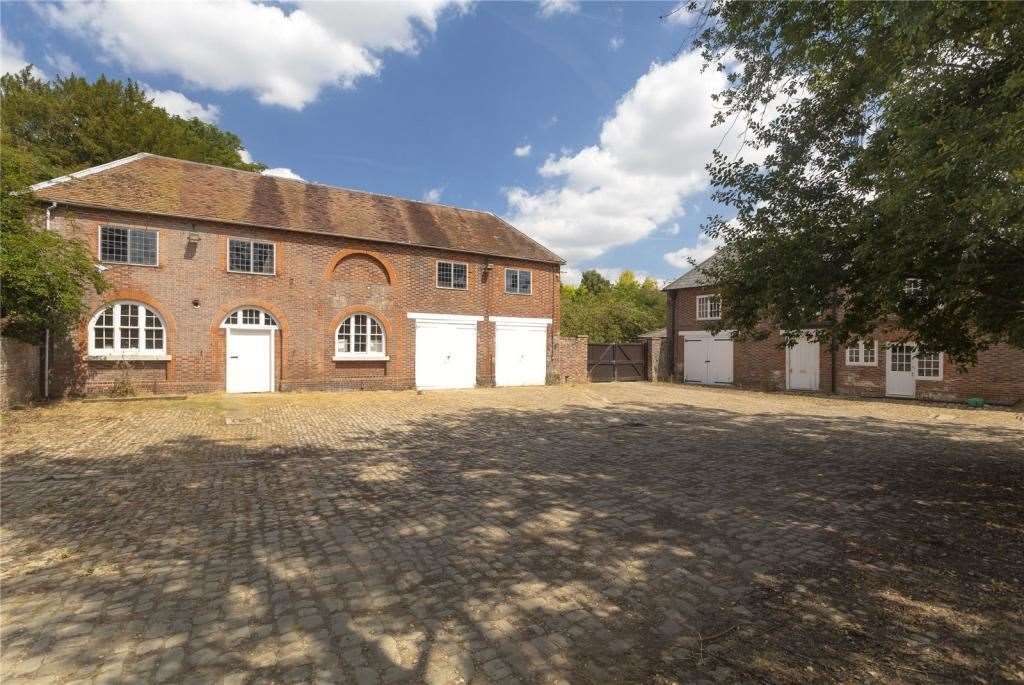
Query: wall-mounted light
(488, 266)
(195, 303)
(193, 237)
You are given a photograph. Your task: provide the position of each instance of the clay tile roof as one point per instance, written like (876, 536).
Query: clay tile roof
(151, 184)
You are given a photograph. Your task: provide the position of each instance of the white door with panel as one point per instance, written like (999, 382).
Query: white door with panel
(707, 359)
(445, 350)
(250, 364)
(520, 354)
(249, 342)
(803, 365)
(899, 371)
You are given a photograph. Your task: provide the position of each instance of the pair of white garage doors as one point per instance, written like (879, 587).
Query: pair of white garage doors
(446, 350)
(708, 359)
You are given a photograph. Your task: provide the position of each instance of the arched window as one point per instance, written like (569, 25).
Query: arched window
(359, 336)
(126, 329)
(249, 317)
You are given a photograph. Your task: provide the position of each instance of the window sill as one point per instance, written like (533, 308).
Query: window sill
(355, 357)
(128, 357)
(709, 318)
(112, 263)
(251, 273)
(863, 364)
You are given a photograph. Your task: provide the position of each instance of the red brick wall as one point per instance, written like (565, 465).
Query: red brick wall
(761, 364)
(318, 280)
(571, 359)
(19, 372)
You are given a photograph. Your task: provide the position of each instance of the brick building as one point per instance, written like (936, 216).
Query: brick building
(875, 369)
(225, 279)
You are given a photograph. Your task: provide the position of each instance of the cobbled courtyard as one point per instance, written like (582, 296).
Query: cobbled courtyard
(595, 534)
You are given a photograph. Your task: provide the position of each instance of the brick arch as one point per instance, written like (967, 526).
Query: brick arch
(127, 294)
(381, 260)
(217, 336)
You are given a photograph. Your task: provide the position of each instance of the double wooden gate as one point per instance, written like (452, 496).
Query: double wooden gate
(625, 362)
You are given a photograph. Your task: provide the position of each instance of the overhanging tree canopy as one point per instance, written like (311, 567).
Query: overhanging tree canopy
(896, 152)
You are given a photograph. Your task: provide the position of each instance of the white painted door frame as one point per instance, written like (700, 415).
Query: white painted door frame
(227, 356)
(716, 354)
(804, 358)
(902, 383)
(517, 366)
(428, 362)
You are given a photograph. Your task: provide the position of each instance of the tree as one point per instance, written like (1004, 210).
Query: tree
(610, 314)
(594, 283)
(51, 128)
(896, 152)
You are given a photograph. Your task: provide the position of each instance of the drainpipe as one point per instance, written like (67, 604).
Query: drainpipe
(46, 337)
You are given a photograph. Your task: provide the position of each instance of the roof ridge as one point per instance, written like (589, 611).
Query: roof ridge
(318, 183)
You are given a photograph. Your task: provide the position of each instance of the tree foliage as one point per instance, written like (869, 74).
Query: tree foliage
(51, 128)
(896, 152)
(612, 313)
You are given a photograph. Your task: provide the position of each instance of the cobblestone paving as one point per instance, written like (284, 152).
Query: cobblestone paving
(633, 532)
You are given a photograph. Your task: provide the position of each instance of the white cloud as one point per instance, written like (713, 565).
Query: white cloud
(549, 8)
(433, 195)
(672, 229)
(616, 42)
(284, 55)
(180, 105)
(244, 154)
(649, 159)
(283, 172)
(63, 63)
(699, 252)
(12, 57)
(523, 151)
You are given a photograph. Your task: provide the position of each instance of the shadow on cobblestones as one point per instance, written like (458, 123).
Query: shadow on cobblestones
(635, 542)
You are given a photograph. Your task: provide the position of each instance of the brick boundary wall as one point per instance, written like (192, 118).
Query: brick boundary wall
(19, 372)
(657, 359)
(570, 359)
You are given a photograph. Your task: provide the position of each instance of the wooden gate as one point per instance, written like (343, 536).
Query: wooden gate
(625, 362)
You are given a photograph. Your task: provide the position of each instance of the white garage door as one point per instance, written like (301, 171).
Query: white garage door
(445, 350)
(706, 358)
(520, 355)
(803, 362)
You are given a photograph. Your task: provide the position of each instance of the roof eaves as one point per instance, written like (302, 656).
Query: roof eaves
(538, 244)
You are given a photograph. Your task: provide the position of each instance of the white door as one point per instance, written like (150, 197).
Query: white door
(695, 359)
(445, 353)
(803, 362)
(250, 363)
(720, 361)
(899, 371)
(707, 359)
(520, 355)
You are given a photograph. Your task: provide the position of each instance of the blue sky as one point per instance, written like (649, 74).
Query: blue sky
(582, 123)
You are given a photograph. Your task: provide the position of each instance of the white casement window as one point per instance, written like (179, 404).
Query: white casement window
(452, 275)
(126, 330)
(518, 281)
(928, 366)
(360, 336)
(123, 245)
(912, 286)
(862, 354)
(709, 307)
(251, 256)
(249, 317)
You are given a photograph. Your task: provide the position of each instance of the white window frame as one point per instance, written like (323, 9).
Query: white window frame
(437, 275)
(367, 355)
(263, 325)
(913, 286)
(519, 277)
(916, 367)
(861, 346)
(251, 242)
(116, 353)
(701, 299)
(128, 262)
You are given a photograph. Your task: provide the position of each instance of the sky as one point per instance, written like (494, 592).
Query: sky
(586, 125)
